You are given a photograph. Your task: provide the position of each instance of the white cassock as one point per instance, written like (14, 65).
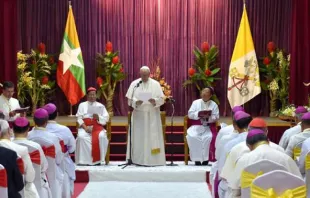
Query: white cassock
(199, 136)
(223, 131)
(83, 154)
(65, 134)
(221, 162)
(7, 106)
(304, 151)
(42, 133)
(147, 142)
(223, 141)
(294, 140)
(45, 191)
(288, 134)
(263, 151)
(22, 151)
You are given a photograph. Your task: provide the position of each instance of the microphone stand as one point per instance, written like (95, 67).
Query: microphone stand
(129, 161)
(171, 133)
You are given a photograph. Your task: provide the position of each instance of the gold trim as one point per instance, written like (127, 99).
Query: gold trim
(155, 151)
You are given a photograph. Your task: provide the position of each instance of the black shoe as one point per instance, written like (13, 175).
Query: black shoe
(205, 163)
(198, 163)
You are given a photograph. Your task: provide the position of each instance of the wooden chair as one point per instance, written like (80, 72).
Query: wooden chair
(187, 124)
(108, 128)
(163, 122)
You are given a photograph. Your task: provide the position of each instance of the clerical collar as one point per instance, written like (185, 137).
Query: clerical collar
(5, 140)
(260, 143)
(20, 138)
(39, 128)
(91, 103)
(306, 130)
(52, 121)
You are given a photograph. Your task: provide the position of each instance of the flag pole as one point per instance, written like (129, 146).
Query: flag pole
(71, 115)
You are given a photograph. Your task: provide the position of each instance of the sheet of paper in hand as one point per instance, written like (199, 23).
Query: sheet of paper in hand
(204, 113)
(21, 110)
(94, 110)
(145, 96)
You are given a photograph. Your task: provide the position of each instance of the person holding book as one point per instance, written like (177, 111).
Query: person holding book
(92, 141)
(202, 134)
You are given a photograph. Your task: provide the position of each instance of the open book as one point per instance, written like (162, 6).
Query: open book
(21, 110)
(204, 113)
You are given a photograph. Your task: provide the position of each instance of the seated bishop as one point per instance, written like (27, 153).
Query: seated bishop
(202, 134)
(68, 146)
(92, 141)
(21, 127)
(26, 167)
(52, 149)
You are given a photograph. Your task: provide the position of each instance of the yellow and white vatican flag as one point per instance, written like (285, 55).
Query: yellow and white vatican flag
(243, 78)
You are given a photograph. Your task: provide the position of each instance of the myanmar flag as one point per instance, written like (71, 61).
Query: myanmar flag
(70, 70)
(243, 79)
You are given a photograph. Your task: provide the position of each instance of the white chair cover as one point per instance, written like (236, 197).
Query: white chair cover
(3, 190)
(37, 168)
(66, 188)
(307, 171)
(22, 192)
(53, 172)
(264, 166)
(279, 180)
(212, 176)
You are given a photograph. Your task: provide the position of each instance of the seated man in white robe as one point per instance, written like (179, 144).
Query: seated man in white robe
(200, 135)
(299, 112)
(92, 141)
(304, 151)
(258, 143)
(39, 132)
(21, 127)
(68, 146)
(27, 170)
(241, 122)
(300, 137)
(8, 104)
(145, 97)
(240, 149)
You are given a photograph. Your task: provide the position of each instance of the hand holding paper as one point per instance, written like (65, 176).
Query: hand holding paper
(145, 96)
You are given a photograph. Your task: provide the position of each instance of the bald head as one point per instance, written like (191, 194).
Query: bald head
(206, 94)
(145, 73)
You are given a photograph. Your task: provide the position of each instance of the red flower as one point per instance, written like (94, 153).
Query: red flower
(208, 72)
(115, 60)
(271, 47)
(33, 61)
(52, 61)
(41, 48)
(191, 71)
(121, 70)
(99, 81)
(205, 47)
(44, 80)
(266, 61)
(109, 47)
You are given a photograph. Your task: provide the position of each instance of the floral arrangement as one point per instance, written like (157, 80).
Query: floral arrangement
(156, 76)
(34, 71)
(288, 113)
(110, 72)
(274, 72)
(204, 70)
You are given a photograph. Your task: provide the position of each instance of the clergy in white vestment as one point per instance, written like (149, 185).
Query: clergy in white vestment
(258, 143)
(27, 169)
(145, 96)
(67, 142)
(199, 135)
(8, 104)
(92, 141)
(305, 149)
(21, 127)
(38, 134)
(240, 122)
(300, 137)
(299, 112)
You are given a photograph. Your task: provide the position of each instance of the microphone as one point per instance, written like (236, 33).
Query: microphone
(172, 100)
(138, 84)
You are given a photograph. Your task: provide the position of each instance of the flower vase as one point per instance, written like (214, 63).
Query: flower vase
(273, 103)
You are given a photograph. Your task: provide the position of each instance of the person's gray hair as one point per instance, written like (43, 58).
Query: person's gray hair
(145, 68)
(4, 127)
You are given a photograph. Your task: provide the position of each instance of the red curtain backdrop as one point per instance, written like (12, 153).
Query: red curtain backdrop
(143, 30)
(8, 40)
(300, 53)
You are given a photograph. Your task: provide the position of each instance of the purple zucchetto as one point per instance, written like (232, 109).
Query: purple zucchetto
(306, 116)
(300, 110)
(253, 132)
(237, 108)
(50, 108)
(241, 114)
(40, 113)
(21, 122)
